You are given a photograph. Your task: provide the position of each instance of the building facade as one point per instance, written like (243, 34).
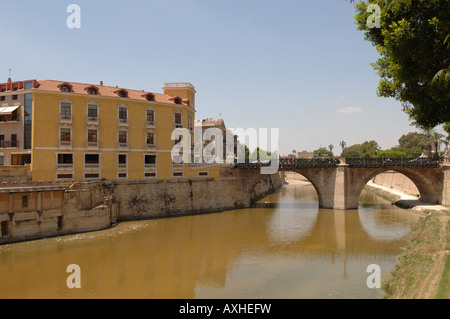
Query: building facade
(77, 131)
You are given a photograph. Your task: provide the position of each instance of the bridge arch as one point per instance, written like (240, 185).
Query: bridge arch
(429, 181)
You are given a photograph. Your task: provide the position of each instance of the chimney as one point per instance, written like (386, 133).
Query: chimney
(101, 83)
(9, 85)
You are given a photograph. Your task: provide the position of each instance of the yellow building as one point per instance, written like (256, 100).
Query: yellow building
(91, 132)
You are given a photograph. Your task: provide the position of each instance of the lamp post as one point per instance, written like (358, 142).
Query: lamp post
(331, 147)
(343, 144)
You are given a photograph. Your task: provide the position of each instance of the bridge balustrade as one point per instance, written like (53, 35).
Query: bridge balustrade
(287, 163)
(391, 162)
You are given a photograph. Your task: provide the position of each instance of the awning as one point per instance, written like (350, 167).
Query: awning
(7, 110)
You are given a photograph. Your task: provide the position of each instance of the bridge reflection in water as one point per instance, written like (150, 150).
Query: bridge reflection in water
(291, 250)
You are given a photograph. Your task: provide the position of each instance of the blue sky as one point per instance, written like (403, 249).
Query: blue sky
(300, 66)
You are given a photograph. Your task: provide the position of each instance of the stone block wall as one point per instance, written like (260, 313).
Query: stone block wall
(97, 205)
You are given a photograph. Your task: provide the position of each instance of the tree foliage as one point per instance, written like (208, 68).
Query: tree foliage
(414, 58)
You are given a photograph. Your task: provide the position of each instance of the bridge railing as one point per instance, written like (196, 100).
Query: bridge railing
(392, 162)
(288, 163)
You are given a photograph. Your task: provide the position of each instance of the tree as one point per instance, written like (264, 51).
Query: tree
(413, 139)
(413, 49)
(353, 151)
(369, 149)
(323, 151)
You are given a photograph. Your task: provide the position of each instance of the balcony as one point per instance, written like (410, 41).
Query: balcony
(123, 145)
(150, 166)
(6, 144)
(123, 122)
(122, 166)
(9, 118)
(65, 118)
(92, 120)
(65, 143)
(92, 144)
(151, 124)
(151, 146)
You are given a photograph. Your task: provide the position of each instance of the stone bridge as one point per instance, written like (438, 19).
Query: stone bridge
(339, 183)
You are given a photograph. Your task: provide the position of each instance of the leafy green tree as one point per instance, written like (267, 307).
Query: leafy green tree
(369, 149)
(353, 151)
(323, 151)
(414, 48)
(413, 139)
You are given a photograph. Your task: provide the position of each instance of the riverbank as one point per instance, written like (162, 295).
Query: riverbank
(423, 270)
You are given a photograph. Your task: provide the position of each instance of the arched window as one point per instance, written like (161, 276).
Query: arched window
(122, 93)
(150, 97)
(65, 88)
(92, 90)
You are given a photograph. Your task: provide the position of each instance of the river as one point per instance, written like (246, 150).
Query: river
(286, 248)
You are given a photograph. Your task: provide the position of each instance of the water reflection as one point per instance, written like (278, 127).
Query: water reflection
(291, 250)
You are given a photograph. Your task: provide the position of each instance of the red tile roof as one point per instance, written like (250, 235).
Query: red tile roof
(103, 90)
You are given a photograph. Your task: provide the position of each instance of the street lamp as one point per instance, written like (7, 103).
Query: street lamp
(343, 144)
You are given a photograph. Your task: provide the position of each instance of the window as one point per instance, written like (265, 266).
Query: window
(28, 85)
(64, 135)
(2, 98)
(64, 176)
(14, 97)
(92, 137)
(92, 161)
(2, 160)
(92, 112)
(123, 114)
(14, 142)
(150, 116)
(203, 173)
(65, 88)
(150, 97)
(65, 161)
(177, 100)
(150, 138)
(66, 110)
(178, 119)
(2, 140)
(177, 174)
(24, 201)
(122, 138)
(92, 91)
(91, 175)
(122, 93)
(190, 122)
(122, 160)
(150, 159)
(150, 174)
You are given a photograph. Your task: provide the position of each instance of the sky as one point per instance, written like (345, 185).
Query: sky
(298, 66)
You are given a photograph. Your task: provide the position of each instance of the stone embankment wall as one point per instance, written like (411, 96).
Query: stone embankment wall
(37, 212)
(396, 181)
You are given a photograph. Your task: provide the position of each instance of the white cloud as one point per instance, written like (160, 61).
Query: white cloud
(350, 110)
